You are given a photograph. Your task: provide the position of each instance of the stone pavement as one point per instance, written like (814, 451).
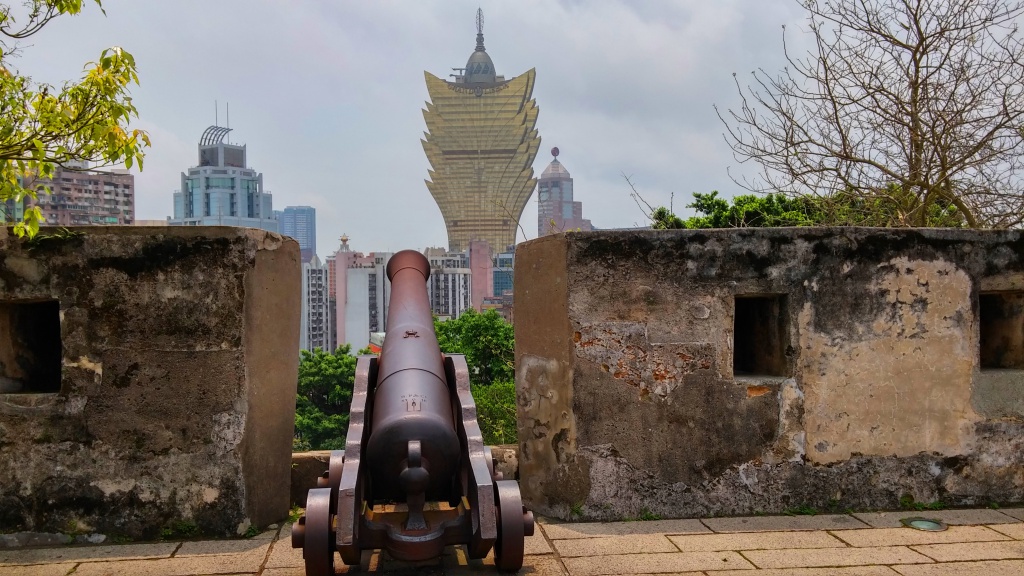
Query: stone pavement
(983, 542)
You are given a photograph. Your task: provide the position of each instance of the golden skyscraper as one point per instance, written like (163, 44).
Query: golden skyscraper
(481, 141)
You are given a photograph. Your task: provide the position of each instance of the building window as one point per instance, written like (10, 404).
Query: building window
(1001, 334)
(372, 296)
(226, 183)
(760, 336)
(30, 347)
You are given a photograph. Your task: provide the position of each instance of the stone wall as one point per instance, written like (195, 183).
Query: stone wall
(696, 372)
(148, 380)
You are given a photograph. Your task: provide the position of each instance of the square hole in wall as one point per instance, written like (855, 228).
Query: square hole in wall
(30, 347)
(760, 336)
(1001, 329)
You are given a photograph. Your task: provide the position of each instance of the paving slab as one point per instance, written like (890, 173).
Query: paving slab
(457, 563)
(534, 566)
(747, 572)
(219, 547)
(186, 566)
(656, 563)
(823, 557)
(1015, 531)
(908, 536)
(292, 571)
(973, 551)
(782, 523)
(989, 568)
(1017, 513)
(630, 544)
(602, 529)
(282, 555)
(38, 570)
(840, 546)
(87, 553)
(755, 541)
(833, 571)
(536, 544)
(958, 517)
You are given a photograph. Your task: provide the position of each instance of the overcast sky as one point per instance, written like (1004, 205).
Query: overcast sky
(328, 95)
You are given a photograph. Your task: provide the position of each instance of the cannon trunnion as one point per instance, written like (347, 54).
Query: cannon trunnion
(415, 476)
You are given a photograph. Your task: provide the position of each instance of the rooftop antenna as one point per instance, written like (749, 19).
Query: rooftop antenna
(216, 111)
(228, 106)
(479, 29)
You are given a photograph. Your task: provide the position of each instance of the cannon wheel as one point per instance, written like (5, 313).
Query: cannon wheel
(509, 547)
(334, 469)
(318, 545)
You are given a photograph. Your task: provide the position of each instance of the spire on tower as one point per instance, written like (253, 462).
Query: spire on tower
(480, 29)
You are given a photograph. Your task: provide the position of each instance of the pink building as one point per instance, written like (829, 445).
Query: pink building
(556, 210)
(338, 265)
(481, 264)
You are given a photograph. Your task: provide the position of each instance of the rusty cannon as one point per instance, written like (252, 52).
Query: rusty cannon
(415, 475)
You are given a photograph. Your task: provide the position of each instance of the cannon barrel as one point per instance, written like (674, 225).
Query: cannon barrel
(414, 445)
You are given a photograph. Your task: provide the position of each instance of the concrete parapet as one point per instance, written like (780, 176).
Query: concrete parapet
(719, 372)
(149, 379)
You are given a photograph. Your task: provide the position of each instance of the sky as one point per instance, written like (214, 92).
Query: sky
(328, 96)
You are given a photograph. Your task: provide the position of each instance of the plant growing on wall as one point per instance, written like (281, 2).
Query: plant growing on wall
(44, 126)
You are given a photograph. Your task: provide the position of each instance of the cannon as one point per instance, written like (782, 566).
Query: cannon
(415, 476)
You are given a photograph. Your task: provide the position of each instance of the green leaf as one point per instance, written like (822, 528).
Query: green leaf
(42, 125)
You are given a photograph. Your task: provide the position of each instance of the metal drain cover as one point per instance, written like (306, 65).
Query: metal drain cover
(926, 524)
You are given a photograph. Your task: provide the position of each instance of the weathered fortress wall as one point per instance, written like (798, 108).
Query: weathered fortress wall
(711, 372)
(147, 379)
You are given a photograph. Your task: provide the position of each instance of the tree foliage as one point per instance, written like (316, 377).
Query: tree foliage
(324, 396)
(907, 103)
(486, 339)
(496, 412)
(326, 382)
(43, 126)
(843, 209)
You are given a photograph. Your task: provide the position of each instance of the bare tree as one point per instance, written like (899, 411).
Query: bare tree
(921, 98)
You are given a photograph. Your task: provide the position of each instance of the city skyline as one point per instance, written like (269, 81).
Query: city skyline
(335, 119)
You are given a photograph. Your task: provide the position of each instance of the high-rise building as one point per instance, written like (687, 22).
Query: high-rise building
(360, 289)
(79, 196)
(315, 323)
(366, 299)
(481, 265)
(556, 210)
(502, 273)
(299, 222)
(449, 287)
(222, 190)
(481, 141)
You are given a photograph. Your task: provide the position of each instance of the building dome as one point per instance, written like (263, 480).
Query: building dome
(479, 68)
(555, 170)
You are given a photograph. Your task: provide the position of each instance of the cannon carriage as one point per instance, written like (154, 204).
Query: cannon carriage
(415, 475)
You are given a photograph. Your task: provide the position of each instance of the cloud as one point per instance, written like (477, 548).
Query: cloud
(327, 96)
